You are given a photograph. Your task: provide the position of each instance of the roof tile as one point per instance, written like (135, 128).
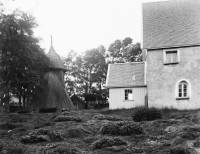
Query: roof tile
(171, 24)
(125, 74)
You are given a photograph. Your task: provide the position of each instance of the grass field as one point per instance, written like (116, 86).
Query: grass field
(78, 132)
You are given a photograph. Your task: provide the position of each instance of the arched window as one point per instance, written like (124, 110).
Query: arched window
(183, 89)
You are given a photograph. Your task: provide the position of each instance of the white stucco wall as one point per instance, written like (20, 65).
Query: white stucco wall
(162, 79)
(117, 98)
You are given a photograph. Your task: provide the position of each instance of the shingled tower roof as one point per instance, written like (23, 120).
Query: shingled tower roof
(55, 60)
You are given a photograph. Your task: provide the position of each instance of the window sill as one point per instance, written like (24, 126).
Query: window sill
(182, 98)
(171, 63)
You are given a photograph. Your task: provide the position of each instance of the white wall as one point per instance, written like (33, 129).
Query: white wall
(162, 79)
(117, 98)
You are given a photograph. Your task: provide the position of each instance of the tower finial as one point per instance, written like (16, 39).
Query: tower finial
(51, 40)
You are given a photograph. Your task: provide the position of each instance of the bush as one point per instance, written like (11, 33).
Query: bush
(146, 114)
(107, 142)
(131, 129)
(110, 129)
(48, 110)
(104, 117)
(67, 118)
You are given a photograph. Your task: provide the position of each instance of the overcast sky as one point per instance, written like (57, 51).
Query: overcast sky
(83, 24)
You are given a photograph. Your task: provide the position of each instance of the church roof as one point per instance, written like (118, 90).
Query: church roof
(121, 75)
(55, 60)
(171, 23)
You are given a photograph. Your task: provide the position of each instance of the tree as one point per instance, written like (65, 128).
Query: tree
(23, 63)
(95, 66)
(86, 73)
(121, 51)
(73, 80)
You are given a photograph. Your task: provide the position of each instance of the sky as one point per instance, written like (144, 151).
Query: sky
(81, 25)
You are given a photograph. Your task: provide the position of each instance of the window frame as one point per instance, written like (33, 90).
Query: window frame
(170, 51)
(183, 89)
(183, 82)
(126, 96)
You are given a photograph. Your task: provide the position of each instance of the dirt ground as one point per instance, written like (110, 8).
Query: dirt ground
(76, 132)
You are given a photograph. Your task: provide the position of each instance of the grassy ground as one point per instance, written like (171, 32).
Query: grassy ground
(176, 133)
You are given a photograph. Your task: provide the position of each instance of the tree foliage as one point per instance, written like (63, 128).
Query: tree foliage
(73, 64)
(22, 61)
(86, 73)
(95, 66)
(121, 51)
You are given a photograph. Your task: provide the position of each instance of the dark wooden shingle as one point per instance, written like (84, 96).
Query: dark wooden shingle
(55, 60)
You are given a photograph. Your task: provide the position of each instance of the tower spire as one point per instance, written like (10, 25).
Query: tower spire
(51, 40)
